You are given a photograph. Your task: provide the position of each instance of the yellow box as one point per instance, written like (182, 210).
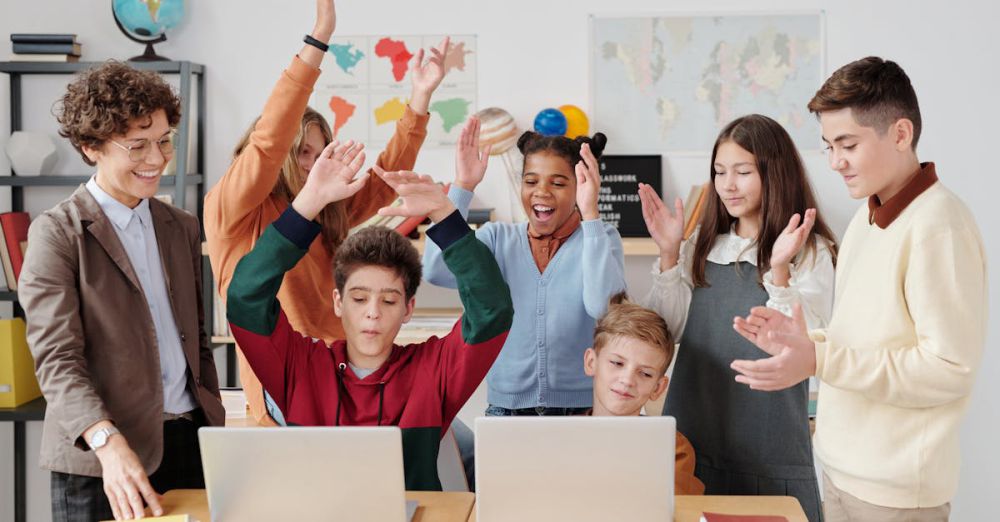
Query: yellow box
(18, 384)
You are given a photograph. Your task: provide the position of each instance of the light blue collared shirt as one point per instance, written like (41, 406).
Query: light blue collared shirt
(135, 231)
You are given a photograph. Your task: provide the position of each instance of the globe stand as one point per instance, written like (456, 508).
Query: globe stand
(150, 55)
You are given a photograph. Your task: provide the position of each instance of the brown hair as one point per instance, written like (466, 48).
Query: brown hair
(333, 217)
(378, 246)
(627, 319)
(785, 190)
(104, 101)
(877, 91)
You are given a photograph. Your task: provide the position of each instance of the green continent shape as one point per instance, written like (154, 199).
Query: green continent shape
(453, 111)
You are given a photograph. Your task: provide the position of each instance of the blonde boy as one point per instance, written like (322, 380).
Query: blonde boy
(632, 350)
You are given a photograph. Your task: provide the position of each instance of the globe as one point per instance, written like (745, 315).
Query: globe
(147, 22)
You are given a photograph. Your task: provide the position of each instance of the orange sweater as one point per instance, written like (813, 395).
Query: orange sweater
(685, 483)
(241, 205)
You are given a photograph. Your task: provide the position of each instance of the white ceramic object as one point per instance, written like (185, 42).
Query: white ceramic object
(31, 153)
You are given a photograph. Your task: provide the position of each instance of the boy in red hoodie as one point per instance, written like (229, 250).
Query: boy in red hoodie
(366, 380)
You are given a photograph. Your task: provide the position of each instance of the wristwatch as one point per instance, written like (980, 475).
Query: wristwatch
(101, 437)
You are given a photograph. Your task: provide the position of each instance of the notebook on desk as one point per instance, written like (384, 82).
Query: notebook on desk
(575, 468)
(306, 473)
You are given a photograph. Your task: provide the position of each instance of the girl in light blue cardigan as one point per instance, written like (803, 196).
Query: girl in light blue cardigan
(562, 266)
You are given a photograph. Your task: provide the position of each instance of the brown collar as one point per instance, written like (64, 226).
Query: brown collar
(883, 214)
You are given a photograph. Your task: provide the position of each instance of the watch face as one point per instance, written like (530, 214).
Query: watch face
(100, 439)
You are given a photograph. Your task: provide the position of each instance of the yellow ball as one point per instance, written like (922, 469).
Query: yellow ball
(577, 123)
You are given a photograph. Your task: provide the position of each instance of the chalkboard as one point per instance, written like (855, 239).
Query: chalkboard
(618, 202)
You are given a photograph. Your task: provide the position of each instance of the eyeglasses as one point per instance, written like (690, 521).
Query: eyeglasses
(140, 150)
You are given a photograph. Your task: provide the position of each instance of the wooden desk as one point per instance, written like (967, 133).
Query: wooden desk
(689, 508)
(433, 506)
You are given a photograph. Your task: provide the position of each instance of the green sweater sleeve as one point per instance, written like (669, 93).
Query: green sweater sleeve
(485, 295)
(252, 299)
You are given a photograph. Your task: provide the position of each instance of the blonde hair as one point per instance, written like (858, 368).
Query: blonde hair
(333, 217)
(627, 319)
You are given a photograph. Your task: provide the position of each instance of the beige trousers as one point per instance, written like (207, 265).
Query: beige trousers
(840, 506)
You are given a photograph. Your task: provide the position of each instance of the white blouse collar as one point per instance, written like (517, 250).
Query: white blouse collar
(731, 248)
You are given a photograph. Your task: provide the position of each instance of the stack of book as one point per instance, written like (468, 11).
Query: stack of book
(694, 206)
(13, 244)
(33, 47)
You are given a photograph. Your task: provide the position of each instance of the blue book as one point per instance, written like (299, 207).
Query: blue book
(43, 38)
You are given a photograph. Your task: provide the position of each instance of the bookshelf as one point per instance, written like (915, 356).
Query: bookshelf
(189, 173)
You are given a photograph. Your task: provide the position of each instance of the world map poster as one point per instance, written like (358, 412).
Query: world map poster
(671, 83)
(365, 86)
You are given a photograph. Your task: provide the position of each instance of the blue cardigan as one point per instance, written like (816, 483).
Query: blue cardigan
(541, 364)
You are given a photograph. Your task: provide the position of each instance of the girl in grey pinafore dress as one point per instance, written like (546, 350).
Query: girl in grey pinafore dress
(746, 442)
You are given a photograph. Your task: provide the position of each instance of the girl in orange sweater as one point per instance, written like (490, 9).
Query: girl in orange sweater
(269, 168)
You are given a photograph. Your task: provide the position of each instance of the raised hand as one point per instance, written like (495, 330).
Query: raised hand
(665, 227)
(326, 20)
(427, 75)
(790, 242)
(331, 178)
(785, 339)
(420, 194)
(588, 183)
(470, 161)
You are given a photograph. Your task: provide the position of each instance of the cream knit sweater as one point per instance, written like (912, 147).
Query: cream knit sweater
(898, 360)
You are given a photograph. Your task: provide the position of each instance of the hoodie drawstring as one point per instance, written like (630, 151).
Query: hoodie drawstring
(381, 393)
(340, 388)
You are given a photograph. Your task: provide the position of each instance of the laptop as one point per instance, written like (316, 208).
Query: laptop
(304, 473)
(575, 468)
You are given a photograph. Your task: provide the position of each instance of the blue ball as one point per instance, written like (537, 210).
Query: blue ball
(550, 122)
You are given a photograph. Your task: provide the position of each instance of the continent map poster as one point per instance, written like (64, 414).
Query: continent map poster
(365, 86)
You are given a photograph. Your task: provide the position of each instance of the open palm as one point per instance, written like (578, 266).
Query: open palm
(420, 195)
(588, 183)
(332, 176)
(792, 238)
(427, 75)
(665, 227)
(792, 353)
(470, 161)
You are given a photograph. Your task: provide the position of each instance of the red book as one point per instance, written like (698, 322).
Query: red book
(15, 233)
(720, 517)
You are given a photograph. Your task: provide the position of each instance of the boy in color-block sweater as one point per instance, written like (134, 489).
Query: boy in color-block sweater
(366, 380)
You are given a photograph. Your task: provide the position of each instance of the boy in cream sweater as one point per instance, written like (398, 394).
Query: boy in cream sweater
(898, 361)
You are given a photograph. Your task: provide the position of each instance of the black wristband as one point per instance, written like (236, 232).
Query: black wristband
(315, 43)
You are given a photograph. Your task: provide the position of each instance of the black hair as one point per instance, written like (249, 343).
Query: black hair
(569, 149)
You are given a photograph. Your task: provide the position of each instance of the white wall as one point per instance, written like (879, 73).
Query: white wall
(533, 54)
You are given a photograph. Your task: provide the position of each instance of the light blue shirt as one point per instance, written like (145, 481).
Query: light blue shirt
(134, 228)
(541, 363)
